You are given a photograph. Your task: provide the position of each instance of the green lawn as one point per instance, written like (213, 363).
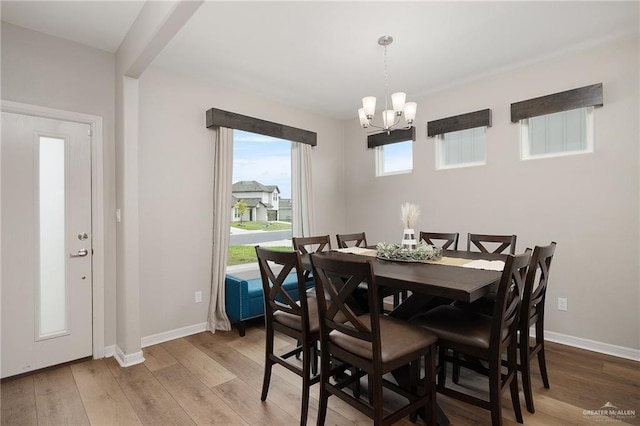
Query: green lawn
(261, 225)
(238, 255)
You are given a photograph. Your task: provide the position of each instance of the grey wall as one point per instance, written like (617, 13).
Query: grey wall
(587, 203)
(47, 71)
(176, 175)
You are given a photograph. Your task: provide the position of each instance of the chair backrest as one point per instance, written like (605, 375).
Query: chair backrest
(338, 279)
(308, 245)
(351, 240)
(535, 286)
(276, 297)
(508, 299)
(447, 240)
(504, 242)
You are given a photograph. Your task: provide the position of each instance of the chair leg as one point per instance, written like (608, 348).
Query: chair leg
(325, 365)
(455, 374)
(542, 363)
(512, 369)
(268, 363)
(378, 406)
(431, 410)
(442, 367)
(314, 358)
(306, 383)
(322, 403)
(241, 328)
(430, 367)
(495, 392)
(356, 385)
(525, 369)
(414, 377)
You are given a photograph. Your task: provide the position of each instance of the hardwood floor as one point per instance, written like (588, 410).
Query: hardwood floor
(216, 379)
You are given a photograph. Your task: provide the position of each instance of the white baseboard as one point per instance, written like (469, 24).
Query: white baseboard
(109, 351)
(154, 339)
(128, 360)
(592, 345)
(551, 336)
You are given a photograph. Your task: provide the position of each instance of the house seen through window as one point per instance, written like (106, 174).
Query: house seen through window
(261, 196)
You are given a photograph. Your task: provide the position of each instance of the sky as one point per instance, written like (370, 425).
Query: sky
(263, 159)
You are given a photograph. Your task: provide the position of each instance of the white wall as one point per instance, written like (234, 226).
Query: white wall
(588, 204)
(47, 71)
(176, 174)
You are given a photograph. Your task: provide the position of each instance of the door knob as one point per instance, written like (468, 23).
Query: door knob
(80, 253)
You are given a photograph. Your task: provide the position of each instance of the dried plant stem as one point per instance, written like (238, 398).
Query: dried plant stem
(410, 214)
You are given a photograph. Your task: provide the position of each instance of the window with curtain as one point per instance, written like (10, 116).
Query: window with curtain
(261, 196)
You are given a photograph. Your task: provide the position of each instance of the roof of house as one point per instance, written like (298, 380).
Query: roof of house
(249, 186)
(272, 188)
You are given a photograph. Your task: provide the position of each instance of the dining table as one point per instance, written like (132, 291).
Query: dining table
(456, 276)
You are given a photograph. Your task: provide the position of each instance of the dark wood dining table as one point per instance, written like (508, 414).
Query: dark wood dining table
(429, 281)
(430, 284)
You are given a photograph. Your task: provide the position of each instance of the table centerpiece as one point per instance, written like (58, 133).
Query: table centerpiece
(409, 250)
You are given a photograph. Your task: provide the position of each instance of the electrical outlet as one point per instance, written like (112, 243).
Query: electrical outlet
(198, 296)
(562, 304)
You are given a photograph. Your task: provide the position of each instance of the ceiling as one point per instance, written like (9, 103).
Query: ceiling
(323, 56)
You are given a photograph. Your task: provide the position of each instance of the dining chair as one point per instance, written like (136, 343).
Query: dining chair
(443, 240)
(359, 239)
(479, 242)
(307, 245)
(532, 315)
(484, 337)
(283, 314)
(372, 343)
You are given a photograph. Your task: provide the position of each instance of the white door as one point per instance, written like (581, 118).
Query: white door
(46, 243)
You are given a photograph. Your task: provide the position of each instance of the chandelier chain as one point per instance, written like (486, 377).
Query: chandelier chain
(386, 79)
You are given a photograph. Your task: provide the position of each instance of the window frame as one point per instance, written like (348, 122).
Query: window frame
(440, 149)
(525, 146)
(380, 161)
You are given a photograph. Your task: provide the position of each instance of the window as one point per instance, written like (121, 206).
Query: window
(460, 139)
(394, 158)
(261, 177)
(560, 133)
(462, 148)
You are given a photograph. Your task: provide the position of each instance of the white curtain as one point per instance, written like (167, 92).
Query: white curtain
(222, 182)
(302, 192)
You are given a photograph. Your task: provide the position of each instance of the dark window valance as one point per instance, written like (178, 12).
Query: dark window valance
(571, 99)
(455, 123)
(394, 136)
(231, 120)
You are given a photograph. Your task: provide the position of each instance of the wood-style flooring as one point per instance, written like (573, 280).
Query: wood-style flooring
(216, 379)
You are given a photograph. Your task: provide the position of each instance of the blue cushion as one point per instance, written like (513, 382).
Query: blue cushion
(244, 299)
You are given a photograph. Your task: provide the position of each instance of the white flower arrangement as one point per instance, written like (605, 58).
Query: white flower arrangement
(410, 214)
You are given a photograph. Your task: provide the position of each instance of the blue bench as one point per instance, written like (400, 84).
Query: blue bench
(244, 298)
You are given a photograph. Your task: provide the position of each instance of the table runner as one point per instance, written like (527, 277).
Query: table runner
(492, 265)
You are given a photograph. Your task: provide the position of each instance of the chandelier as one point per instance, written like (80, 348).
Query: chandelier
(390, 117)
